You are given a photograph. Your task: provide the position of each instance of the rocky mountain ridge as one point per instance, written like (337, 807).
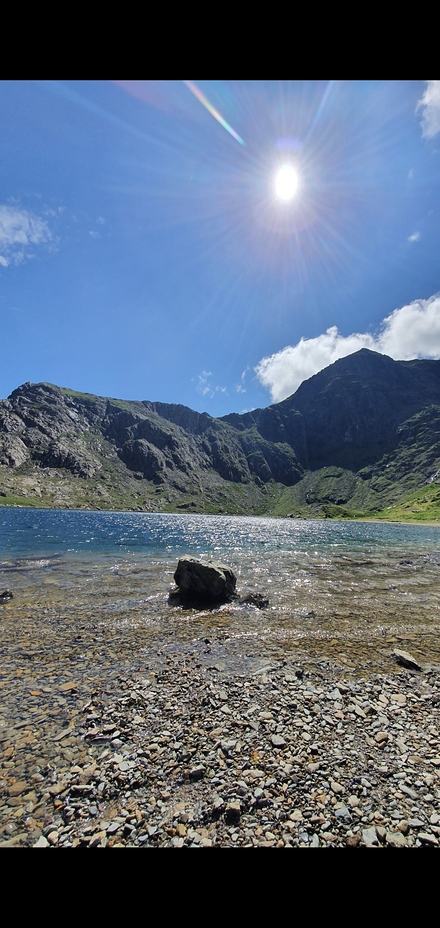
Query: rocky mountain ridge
(358, 434)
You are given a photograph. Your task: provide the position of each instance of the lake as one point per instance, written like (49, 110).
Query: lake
(91, 589)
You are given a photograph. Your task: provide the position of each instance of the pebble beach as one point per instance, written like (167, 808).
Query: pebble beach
(186, 753)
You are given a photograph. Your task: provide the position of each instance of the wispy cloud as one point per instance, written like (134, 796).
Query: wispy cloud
(205, 387)
(412, 331)
(20, 233)
(429, 104)
(240, 387)
(414, 237)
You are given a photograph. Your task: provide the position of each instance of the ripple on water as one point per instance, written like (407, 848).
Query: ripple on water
(332, 587)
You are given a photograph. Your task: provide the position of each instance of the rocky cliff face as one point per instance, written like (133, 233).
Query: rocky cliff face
(346, 434)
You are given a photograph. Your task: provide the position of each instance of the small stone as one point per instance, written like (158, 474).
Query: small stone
(255, 774)
(399, 698)
(343, 813)
(233, 812)
(217, 803)
(197, 773)
(426, 838)
(18, 788)
(409, 792)
(381, 736)
(177, 842)
(354, 840)
(406, 660)
(395, 839)
(42, 842)
(278, 741)
(98, 840)
(369, 836)
(296, 816)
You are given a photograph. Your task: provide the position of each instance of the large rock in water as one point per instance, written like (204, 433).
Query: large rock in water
(204, 582)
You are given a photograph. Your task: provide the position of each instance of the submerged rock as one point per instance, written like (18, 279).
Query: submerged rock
(254, 599)
(209, 582)
(6, 596)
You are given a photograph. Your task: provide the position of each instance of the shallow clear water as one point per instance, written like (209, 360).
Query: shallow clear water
(340, 592)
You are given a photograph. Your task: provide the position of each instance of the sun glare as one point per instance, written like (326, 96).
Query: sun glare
(286, 182)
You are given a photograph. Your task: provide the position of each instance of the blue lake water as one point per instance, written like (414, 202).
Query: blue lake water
(28, 532)
(338, 591)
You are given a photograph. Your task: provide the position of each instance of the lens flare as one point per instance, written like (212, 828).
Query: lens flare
(192, 86)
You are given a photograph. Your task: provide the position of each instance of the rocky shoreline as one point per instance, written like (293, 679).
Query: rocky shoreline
(185, 755)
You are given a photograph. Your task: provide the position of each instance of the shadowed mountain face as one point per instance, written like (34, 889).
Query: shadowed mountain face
(349, 414)
(360, 416)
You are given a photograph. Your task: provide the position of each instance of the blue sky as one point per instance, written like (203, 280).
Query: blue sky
(144, 253)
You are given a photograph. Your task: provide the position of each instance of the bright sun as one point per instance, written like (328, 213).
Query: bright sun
(286, 182)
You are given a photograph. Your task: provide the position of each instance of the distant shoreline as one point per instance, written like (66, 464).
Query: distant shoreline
(177, 512)
(358, 519)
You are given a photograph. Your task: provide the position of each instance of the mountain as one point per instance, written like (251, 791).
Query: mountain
(361, 434)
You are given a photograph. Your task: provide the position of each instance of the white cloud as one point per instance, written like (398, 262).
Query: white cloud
(410, 332)
(20, 231)
(430, 106)
(414, 237)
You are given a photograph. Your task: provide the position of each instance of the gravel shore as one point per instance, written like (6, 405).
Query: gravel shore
(187, 755)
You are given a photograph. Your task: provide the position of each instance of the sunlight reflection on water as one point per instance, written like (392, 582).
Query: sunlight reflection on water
(338, 589)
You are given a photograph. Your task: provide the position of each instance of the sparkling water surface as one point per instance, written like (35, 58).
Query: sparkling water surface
(340, 593)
